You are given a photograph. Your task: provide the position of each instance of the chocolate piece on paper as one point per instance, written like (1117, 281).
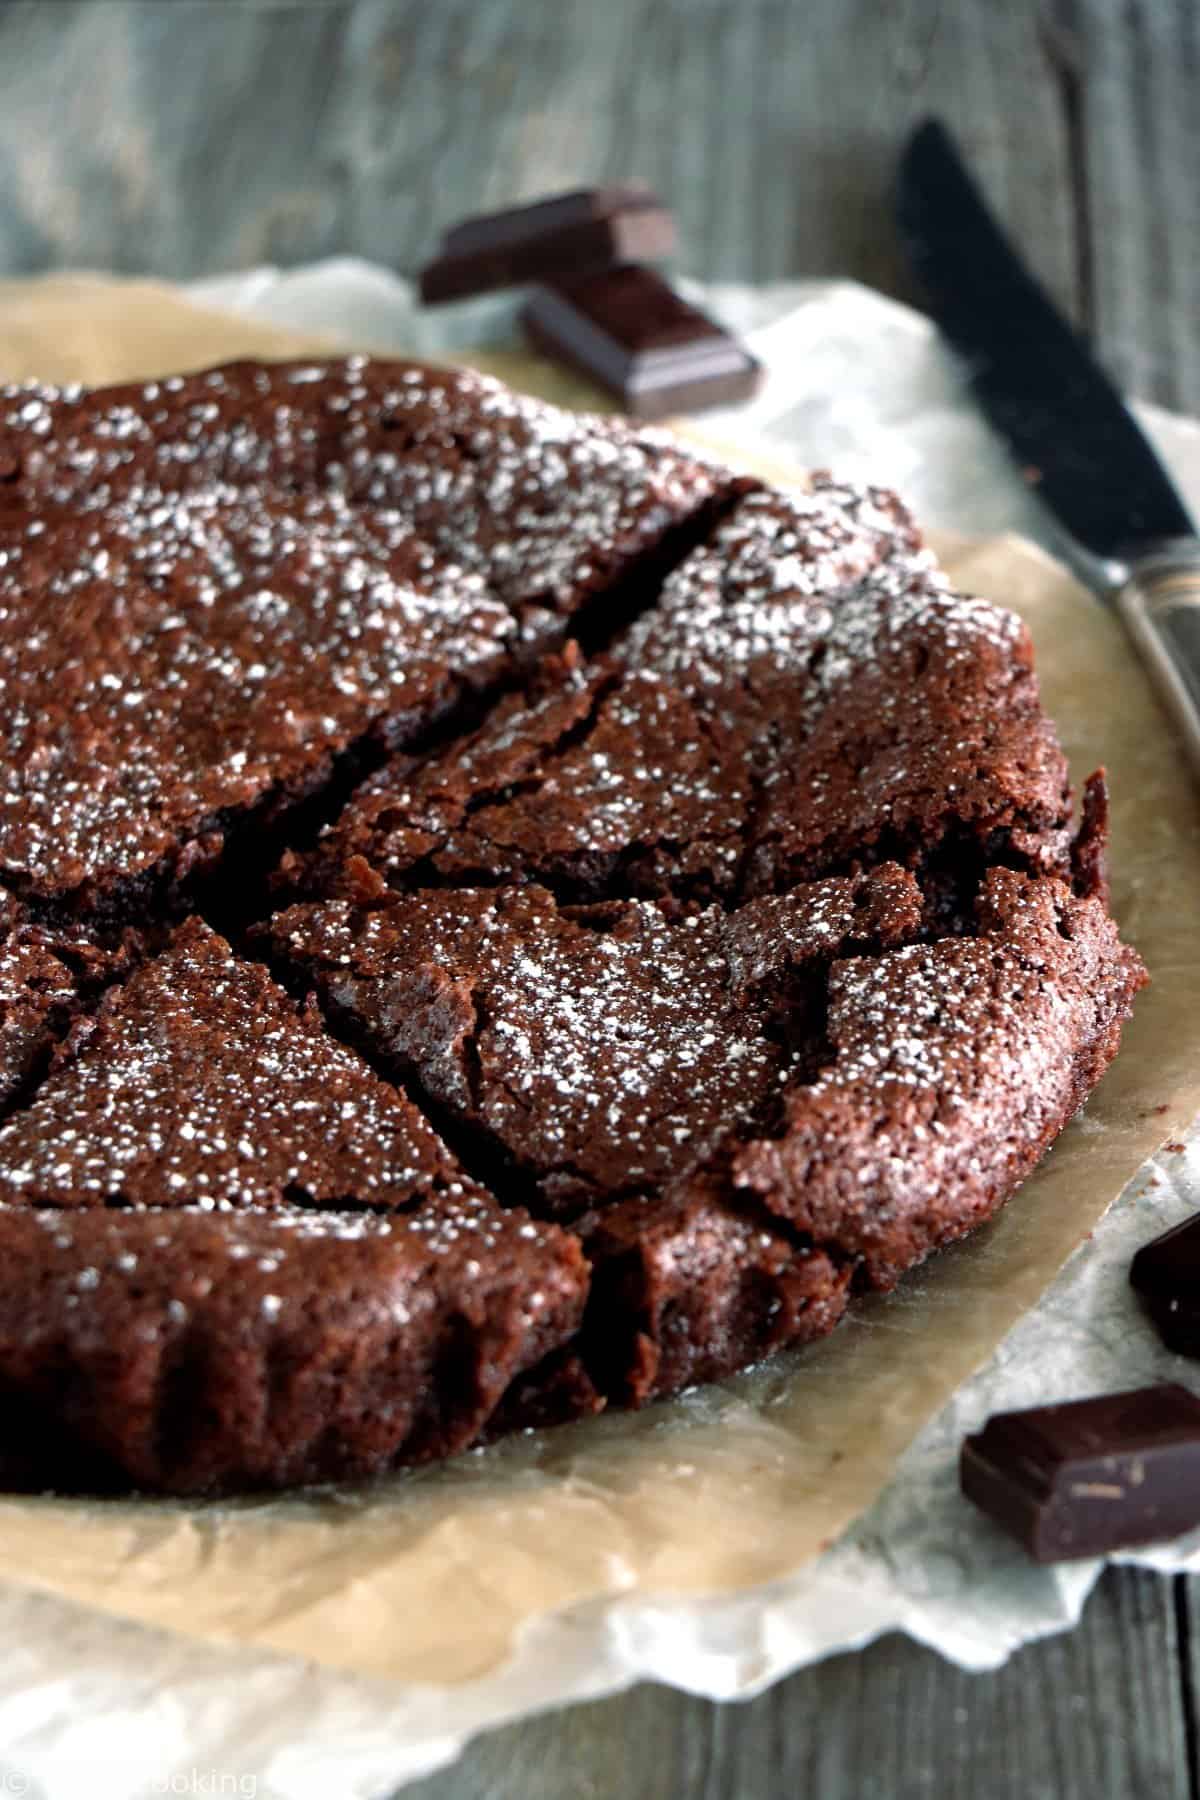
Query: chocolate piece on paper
(590, 228)
(1166, 1274)
(632, 333)
(1089, 1476)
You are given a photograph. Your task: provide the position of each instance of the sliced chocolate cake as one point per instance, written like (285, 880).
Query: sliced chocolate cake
(807, 694)
(235, 1258)
(677, 922)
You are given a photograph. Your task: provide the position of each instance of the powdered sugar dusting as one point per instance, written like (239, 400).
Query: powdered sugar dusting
(536, 500)
(839, 571)
(604, 1049)
(211, 585)
(210, 588)
(463, 1220)
(200, 1083)
(950, 1066)
(36, 988)
(657, 780)
(190, 653)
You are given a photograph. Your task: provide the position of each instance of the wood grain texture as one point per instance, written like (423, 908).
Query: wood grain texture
(187, 136)
(182, 137)
(1139, 78)
(190, 138)
(1088, 1714)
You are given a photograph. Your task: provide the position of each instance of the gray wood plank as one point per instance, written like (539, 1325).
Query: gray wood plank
(1085, 1715)
(1139, 70)
(184, 138)
(1187, 1615)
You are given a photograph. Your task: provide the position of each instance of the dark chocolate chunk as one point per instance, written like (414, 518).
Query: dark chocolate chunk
(1166, 1273)
(630, 331)
(590, 228)
(1089, 1476)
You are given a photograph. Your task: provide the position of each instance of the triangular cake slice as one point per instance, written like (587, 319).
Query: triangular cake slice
(601, 1051)
(238, 1258)
(952, 1068)
(545, 504)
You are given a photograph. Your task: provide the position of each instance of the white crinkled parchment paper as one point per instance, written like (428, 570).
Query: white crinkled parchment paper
(88, 1702)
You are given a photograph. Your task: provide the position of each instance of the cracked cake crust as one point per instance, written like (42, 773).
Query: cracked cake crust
(46, 979)
(236, 1258)
(704, 938)
(806, 693)
(249, 585)
(602, 1050)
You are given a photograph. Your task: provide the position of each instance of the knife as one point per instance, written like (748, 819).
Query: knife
(1062, 418)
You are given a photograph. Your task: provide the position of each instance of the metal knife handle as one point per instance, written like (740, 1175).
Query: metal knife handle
(1160, 603)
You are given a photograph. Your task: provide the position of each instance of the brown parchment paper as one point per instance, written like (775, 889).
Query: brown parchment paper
(429, 1578)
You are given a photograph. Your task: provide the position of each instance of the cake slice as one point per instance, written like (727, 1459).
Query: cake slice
(592, 1052)
(808, 694)
(175, 669)
(546, 507)
(218, 592)
(951, 1069)
(236, 1258)
(598, 782)
(741, 1112)
(595, 1064)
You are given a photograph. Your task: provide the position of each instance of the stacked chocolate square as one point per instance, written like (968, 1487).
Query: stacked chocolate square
(597, 304)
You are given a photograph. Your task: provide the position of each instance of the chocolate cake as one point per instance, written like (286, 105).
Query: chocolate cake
(677, 920)
(236, 1257)
(255, 573)
(806, 694)
(38, 998)
(45, 979)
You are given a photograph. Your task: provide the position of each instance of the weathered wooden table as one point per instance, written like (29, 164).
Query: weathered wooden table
(189, 136)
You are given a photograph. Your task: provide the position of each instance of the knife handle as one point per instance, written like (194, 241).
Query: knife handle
(1160, 604)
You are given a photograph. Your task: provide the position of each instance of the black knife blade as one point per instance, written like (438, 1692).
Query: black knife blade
(1031, 373)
